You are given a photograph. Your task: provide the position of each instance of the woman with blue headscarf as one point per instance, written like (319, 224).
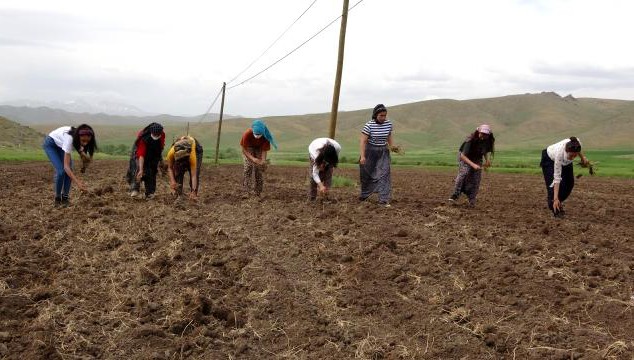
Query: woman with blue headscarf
(256, 142)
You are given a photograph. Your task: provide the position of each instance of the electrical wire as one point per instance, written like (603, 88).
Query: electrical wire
(273, 43)
(210, 106)
(295, 49)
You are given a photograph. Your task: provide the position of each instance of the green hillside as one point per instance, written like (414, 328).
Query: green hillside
(519, 122)
(16, 136)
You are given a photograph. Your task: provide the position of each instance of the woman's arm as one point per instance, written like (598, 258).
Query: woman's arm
(69, 172)
(363, 141)
(248, 155)
(464, 158)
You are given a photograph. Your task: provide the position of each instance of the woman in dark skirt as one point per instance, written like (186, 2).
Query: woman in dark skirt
(375, 162)
(477, 147)
(556, 166)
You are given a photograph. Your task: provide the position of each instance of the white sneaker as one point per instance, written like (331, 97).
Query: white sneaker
(149, 197)
(134, 193)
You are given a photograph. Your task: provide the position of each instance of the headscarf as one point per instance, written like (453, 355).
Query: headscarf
(183, 148)
(259, 128)
(377, 110)
(484, 128)
(155, 128)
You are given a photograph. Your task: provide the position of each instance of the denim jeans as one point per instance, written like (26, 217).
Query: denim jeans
(56, 156)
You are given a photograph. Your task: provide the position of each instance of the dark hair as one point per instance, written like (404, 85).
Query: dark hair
(573, 145)
(479, 147)
(75, 133)
(147, 132)
(377, 110)
(327, 154)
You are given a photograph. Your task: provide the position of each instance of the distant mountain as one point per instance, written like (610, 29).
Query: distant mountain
(14, 135)
(527, 121)
(50, 116)
(84, 106)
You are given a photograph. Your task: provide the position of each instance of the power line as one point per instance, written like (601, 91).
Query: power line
(274, 42)
(210, 106)
(292, 51)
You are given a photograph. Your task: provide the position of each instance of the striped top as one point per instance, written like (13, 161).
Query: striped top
(377, 133)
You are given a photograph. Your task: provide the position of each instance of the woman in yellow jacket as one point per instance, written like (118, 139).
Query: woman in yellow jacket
(185, 155)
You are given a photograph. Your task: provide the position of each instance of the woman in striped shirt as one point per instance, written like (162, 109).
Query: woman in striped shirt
(375, 162)
(556, 166)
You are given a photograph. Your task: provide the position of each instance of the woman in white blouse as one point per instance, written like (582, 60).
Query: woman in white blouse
(556, 166)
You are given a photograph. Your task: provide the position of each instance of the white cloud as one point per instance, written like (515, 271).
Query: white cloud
(170, 57)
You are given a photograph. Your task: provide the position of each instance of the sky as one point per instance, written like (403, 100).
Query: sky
(173, 56)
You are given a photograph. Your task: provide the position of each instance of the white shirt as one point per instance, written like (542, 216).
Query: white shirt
(557, 153)
(313, 152)
(62, 138)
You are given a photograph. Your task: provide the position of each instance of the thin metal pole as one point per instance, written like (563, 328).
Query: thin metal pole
(222, 108)
(335, 97)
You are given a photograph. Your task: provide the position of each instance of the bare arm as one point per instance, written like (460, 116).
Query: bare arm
(248, 155)
(363, 141)
(69, 172)
(464, 158)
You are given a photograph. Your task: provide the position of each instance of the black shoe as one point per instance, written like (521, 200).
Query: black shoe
(58, 202)
(454, 197)
(65, 202)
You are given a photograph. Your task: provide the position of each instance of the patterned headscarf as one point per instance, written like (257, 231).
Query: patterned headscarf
(155, 128)
(259, 128)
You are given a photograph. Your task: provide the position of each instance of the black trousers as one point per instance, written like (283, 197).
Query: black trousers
(183, 166)
(567, 179)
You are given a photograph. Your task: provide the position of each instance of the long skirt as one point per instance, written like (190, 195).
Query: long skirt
(567, 179)
(467, 181)
(375, 173)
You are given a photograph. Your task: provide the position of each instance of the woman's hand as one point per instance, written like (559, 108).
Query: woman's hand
(139, 175)
(193, 196)
(476, 167)
(556, 204)
(322, 188)
(81, 186)
(362, 160)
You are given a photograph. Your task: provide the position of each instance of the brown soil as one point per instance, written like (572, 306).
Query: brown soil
(278, 277)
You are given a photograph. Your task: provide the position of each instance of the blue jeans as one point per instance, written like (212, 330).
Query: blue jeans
(56, 156)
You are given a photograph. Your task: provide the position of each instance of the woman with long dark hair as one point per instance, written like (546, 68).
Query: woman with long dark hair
(147, 153)
(477, 148)
(58, 146)
(323, 155)
(559, 177)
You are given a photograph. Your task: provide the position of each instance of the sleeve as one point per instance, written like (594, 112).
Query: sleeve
(244, 141)
(337, 146)
(170, 155)
(141, 149)
(193, 157)
(316, 173)
(466, 146)
(366, 129)
(67, 145)
(559, 157)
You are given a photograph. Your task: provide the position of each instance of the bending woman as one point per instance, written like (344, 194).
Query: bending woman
(58, 146)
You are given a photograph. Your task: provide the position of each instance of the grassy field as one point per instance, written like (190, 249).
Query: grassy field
(609, 162)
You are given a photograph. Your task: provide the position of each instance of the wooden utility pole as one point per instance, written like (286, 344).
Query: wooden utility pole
(222, 108)
(335, 97)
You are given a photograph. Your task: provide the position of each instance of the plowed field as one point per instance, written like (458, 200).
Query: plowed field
(228, 277)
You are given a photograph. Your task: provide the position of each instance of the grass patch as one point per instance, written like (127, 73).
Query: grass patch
(619, 163)
(342, 181)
